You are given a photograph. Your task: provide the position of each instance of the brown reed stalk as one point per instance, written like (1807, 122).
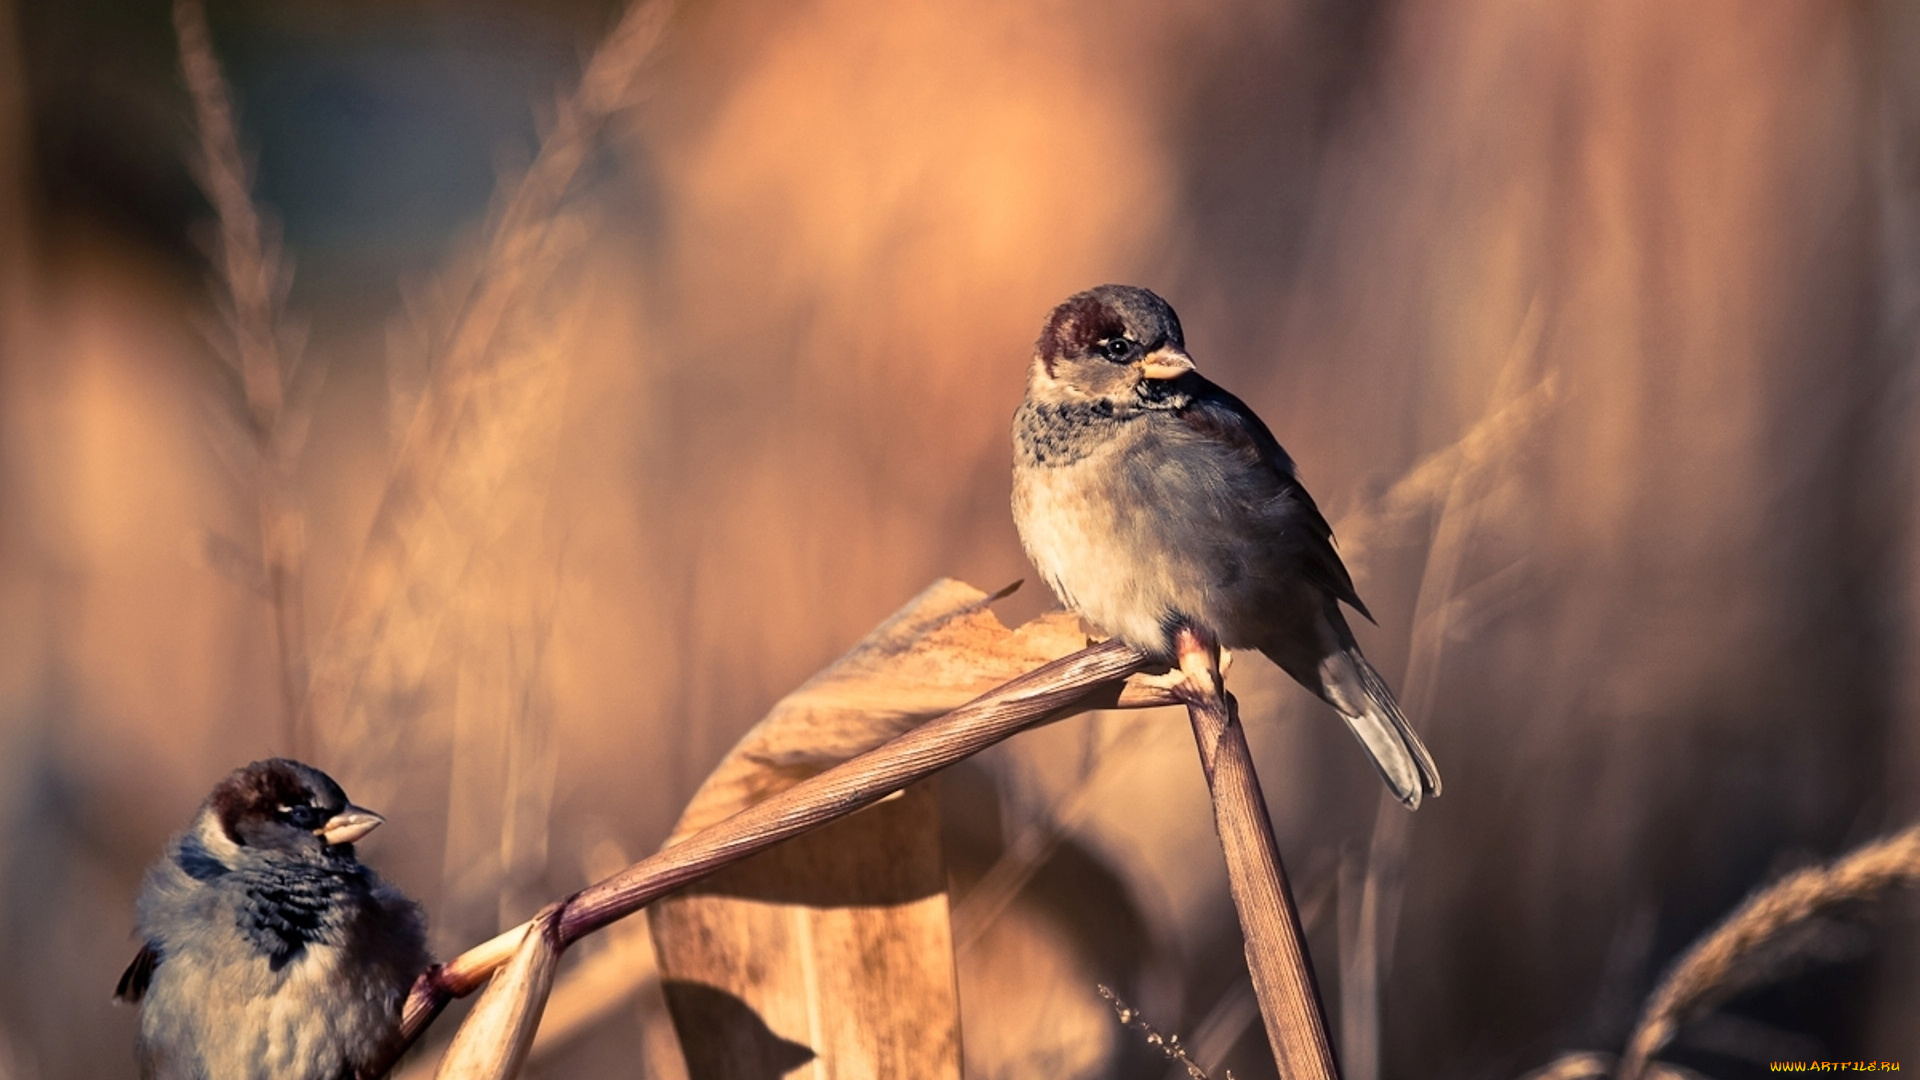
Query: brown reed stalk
(254, 277)
(1276, 947)
(622, 969)
(1713, 967)
(1224, 1023)
(1093, 678)
(494, 1041)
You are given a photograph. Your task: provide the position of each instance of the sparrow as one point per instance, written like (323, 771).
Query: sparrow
(1151, 499)
(270, 950)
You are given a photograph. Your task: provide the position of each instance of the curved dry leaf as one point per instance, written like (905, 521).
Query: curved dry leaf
(944, 648)
(733, 850)
(836, 947)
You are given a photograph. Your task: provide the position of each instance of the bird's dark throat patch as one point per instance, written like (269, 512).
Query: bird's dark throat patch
(1063, 432)
(285, 910)
(1163, 394)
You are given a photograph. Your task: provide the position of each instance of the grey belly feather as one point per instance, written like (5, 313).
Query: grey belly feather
(1136, 537)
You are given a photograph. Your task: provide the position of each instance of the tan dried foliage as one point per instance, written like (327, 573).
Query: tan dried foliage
(492, 1043)
(264, 440)
(943, 629)
(837, 946)
(941, 650)
(482, 430)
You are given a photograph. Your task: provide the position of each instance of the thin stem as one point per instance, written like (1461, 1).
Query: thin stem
(1269, 921)
(1092, 678)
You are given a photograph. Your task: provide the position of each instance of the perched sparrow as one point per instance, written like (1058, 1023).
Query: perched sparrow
(271, 952)
(1150, 498)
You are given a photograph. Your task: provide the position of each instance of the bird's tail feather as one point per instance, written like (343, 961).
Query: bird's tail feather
(1362, 698)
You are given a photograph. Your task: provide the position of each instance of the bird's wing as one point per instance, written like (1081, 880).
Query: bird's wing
(139, 974)
(1223, 418)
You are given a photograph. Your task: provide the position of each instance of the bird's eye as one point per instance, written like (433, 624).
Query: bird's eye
(1115, 348)
(304, 817)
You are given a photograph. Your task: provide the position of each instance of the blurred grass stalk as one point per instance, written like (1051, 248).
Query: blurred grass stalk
(1370, 902)
(493, 374)
(1723, 962)
(1753, 945)
(254, 278)
(503, 759)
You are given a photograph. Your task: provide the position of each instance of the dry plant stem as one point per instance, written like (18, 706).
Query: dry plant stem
(1276, 947)
(493, 1042)
(251, 273)
(1702, 974)
(1072, 681)
(1366, 953)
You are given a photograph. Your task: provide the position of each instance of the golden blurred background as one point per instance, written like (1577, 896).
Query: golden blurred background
(754, 394)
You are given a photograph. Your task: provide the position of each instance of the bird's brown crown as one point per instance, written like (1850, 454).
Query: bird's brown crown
(1076, 328)
(258, 790)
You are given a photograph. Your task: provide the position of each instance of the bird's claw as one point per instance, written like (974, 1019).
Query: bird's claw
(1175, 678)
(1169, 680)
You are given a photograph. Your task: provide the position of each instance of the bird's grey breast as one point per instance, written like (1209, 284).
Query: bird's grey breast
(1137, 520)
(266, 972)
(1090, 519)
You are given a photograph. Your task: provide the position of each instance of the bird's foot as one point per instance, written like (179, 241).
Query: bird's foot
(1166, 680)
(1174, 678)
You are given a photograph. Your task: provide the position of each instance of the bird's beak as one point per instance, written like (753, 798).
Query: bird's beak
(1165, 362)
(349, 825)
